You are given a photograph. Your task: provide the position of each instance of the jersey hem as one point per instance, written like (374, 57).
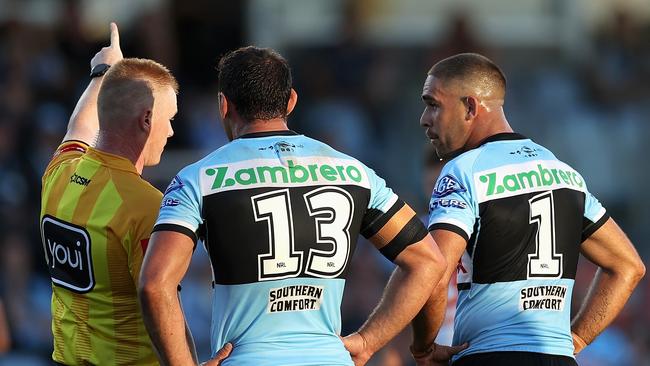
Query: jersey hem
(450, 227)
(176, 228)
(531, 349)
(595, 226)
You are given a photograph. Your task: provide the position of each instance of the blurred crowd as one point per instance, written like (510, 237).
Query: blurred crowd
(363, 99)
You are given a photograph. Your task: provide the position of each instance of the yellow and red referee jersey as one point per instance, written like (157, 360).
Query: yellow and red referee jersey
(96, 218)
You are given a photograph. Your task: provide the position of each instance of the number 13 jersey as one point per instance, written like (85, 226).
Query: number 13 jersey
(280, 214)
(524, 215)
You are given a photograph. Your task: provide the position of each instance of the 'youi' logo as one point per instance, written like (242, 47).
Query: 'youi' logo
(68, 254)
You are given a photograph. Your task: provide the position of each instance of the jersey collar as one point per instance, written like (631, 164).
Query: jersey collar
(268, 133)
(110, 160)
(503, 137)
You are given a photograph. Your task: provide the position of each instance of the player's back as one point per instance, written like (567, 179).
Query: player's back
(281, 213)
(96, 214)
(524, 214)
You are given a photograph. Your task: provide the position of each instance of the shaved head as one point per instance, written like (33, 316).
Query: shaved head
(123, 101)
(471, 74)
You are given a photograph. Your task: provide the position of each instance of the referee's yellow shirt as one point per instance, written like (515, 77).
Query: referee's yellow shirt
(96, 218)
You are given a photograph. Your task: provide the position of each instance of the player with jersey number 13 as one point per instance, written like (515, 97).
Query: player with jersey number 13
(279, 214)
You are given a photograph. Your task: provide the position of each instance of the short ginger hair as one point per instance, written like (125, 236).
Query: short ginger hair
(128, 86)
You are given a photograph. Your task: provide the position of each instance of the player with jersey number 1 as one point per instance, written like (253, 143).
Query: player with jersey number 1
(515, 218)
(279, 214)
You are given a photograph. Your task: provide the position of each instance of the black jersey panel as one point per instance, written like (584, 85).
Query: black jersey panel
(509, 236)
(240, 226)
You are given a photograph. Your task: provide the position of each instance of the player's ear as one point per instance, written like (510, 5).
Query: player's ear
(293, 99)
(471, 107)
(223, 105)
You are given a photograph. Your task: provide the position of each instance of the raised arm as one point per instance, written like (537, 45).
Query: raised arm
(419, 268)
(620, 271)
(84, 124)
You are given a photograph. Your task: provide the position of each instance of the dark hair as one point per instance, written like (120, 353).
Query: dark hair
(471, 66)
(257, 81)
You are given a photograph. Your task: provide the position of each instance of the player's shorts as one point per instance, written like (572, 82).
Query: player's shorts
(514, 359)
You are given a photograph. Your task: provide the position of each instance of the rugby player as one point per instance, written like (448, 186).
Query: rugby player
(279, 214)
(515, 218)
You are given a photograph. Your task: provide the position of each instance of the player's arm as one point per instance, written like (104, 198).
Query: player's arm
(620, 271)
(420, 267)
(428, 321)
(84, 125)
(135, 266)
(165, 263)
(188, 333)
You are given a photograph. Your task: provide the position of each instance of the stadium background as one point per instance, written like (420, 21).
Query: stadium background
(579, 83)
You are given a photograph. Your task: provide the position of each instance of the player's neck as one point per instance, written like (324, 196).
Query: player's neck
(493, 125)
(260, 125)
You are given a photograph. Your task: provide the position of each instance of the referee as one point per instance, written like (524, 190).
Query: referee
(97, 212)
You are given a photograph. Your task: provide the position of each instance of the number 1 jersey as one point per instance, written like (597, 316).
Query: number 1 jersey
(280, 214)
(524, 215)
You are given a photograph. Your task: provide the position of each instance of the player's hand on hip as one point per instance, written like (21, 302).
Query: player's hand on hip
(578, 343)
(437, 355)
(358, 348)
(111, 54)
(223, 353)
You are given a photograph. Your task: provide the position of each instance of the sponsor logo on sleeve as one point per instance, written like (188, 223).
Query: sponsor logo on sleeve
(68, 254)
(446, 186)
(78, 179)
(169, 202)
(447, 203)
(550, 298)
(175, 185)
(295, 298)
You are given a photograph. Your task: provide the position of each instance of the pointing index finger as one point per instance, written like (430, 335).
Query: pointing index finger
(115, 36)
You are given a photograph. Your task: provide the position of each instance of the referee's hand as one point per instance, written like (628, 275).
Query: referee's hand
(223, 353)
(111, 54)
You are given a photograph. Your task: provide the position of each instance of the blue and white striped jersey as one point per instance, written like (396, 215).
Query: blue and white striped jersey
(280, 215)
(524, 214)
